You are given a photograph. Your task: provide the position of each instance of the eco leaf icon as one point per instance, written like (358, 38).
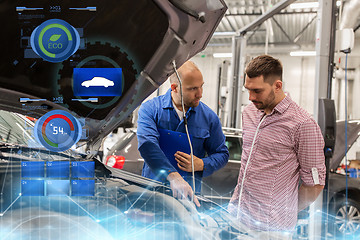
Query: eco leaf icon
(55, 37)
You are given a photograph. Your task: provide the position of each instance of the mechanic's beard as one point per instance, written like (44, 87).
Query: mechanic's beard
(194, 104)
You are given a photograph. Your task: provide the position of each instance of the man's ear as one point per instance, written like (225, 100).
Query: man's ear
(173, 87)
(278, 85)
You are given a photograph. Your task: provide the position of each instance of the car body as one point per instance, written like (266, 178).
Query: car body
(147, 40)
(124, 205)
(344, 191)
(126, 148)
(220, 185)
(217, 187)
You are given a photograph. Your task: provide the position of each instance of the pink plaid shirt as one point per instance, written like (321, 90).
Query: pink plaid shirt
(287, 146)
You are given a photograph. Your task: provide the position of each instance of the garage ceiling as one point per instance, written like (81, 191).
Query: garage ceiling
(291, 27)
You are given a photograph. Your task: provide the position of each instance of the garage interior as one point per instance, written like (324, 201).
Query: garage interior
(303, 36)
(70, 164)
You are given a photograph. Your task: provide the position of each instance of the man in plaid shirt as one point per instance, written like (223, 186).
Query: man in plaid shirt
(282, 144)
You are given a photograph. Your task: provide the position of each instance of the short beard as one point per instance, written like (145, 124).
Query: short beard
(267, 101)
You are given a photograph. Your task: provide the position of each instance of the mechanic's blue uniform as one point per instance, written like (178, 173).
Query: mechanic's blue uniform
(204, 127)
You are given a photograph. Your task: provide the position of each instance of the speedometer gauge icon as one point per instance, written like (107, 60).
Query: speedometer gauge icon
(57, 130)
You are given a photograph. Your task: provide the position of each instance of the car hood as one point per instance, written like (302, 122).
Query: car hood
(141, 37)
(353, 132)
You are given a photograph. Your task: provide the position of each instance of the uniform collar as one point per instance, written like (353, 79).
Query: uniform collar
(167, 102)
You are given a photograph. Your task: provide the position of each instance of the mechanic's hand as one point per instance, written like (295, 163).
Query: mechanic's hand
(180, 188)
(184, 162)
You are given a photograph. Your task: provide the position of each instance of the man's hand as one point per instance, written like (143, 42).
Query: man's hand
(184, 162)
(180, 188)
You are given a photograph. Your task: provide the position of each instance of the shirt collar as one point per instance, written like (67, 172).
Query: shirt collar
(167, 102)
(283, 105)
(280, 107)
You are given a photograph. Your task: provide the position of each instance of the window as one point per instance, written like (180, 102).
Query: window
(234, 144)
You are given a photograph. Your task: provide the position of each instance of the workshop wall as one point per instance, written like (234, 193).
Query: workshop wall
(298, 77)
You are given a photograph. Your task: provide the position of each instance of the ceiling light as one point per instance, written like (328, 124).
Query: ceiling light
(309, 5)
(302, 53)
(222, 55)
(304, 5)
(224, 34)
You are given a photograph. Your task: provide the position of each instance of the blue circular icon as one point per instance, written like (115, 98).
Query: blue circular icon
(55, 40)
(57, 130)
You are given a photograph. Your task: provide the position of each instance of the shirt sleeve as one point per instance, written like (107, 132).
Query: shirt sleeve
(218, 153)
(148, 140)
(310, 153)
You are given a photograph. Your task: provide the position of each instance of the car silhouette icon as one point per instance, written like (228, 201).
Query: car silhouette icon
(98, 82)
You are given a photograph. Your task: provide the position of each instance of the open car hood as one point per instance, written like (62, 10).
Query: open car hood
(353, 132)
(141, 37)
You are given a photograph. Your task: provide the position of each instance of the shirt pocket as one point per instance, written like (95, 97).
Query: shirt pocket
(167, 124)
(199, 135)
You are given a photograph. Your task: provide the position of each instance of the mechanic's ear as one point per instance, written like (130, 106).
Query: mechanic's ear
(173, 87)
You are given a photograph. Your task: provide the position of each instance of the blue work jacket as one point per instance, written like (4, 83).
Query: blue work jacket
(204, 126)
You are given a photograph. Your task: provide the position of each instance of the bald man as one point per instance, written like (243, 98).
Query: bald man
(166, 113)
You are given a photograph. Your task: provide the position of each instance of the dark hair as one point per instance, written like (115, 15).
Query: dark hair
(265, 65)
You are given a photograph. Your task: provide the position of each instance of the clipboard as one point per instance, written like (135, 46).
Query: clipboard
(170, 142)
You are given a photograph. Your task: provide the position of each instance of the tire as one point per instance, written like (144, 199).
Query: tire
(341, 210)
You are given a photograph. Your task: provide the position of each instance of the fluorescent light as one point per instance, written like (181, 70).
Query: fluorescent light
(302, 53)
(223, 34)
(222, 55)
(309, 5)
(304, 5)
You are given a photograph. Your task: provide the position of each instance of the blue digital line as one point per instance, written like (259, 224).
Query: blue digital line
(146, 189)
(85, 100)
(108, 218)
(31, 219)
(92, 216)
(33, 64)
(2, 214)
(346, 145)
(92, 9)
(3, 186)
(19, 9)
(31, 100)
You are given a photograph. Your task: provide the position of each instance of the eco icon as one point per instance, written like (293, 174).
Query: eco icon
(55, 37)
(55, 40)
